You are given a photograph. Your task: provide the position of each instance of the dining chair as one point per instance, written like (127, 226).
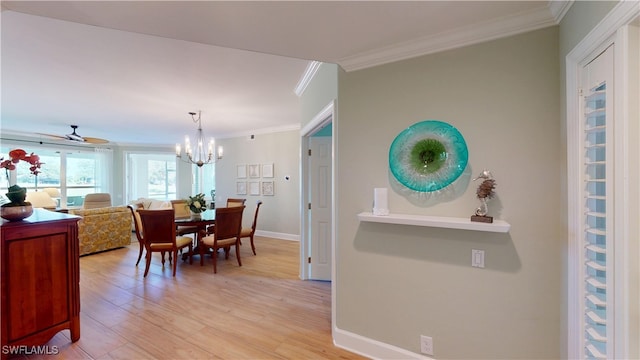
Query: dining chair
(249, 232)
(182, 210)
(137, 228)
(231, 202)
(159, 234)
(226, 233)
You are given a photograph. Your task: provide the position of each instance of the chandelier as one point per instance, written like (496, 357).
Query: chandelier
(199, 156)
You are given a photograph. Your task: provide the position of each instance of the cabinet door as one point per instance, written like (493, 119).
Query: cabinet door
(38, 284)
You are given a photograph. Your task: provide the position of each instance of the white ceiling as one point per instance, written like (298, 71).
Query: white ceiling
(131, 71)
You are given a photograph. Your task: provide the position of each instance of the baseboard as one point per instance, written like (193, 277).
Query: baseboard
(275, 235)
(371, 348)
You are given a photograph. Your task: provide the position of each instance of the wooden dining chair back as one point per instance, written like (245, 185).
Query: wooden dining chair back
(249, 232)
(226, 233)
(182, 211)
(159, 234)
(231, 202)
(137, 228)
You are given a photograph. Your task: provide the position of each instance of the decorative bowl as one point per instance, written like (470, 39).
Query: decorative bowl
(16, 213)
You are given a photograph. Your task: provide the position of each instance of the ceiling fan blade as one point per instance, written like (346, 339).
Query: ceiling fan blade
(93, 140)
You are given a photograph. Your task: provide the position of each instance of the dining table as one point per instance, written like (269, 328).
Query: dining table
(206, 218)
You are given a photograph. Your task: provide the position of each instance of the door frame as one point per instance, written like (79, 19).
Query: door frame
(611, 30)
(324, 117)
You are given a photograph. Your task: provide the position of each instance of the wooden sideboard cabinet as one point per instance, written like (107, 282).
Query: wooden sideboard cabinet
(40, 270)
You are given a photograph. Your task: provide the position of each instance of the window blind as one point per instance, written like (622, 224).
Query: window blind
(595, 239)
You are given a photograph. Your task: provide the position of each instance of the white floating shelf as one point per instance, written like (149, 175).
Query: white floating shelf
(436, 221)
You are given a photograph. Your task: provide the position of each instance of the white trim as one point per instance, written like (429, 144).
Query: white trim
(307, 76)
(573, 216)
(371, 348)
(276, 235)
(559, 8)
(624, 211)
(323, 117)
(319, 121)
(468, 35)
(619, 16)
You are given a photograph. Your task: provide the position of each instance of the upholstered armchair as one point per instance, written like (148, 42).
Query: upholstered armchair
(40, 199)
(97, 200)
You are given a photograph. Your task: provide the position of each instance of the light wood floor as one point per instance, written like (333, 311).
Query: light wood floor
(261, 310)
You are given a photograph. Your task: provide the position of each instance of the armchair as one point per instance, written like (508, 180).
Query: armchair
(97, 200)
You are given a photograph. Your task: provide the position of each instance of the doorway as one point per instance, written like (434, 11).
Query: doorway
(317, 197)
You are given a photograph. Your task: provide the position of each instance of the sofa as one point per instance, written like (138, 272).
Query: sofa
(103, 228)
(151, 204)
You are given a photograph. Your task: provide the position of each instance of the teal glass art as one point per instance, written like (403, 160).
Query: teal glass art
(428, 156)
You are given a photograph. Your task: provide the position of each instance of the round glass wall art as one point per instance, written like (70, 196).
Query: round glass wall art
(428, 156)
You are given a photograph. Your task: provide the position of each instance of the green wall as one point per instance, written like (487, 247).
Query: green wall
(396, 282)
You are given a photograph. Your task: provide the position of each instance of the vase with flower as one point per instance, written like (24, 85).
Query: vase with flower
(18, 208)
(197, 205)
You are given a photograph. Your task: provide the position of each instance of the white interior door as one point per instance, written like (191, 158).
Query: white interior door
(320, 208)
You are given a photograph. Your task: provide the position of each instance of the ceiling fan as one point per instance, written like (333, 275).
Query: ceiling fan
(77, 138)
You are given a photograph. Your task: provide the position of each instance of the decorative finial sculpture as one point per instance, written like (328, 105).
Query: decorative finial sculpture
(485, 192)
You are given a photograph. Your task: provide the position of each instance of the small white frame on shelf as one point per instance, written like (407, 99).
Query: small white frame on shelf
(500, 226)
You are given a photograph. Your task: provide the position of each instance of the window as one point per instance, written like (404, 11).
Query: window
(74, 173)
(204, 179)
(151, 176)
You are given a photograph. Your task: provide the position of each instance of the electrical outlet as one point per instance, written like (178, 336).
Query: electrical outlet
(426, 345)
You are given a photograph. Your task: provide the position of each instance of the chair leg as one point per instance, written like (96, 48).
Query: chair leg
(190, 254)
(140, 253)
(146, 268)
(175, 263)
(253, 247)
(238, 253)
(215, 259)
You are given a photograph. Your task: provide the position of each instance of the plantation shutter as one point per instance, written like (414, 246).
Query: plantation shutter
(597, 237)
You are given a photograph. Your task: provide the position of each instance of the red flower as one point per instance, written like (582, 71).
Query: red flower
(15, 156)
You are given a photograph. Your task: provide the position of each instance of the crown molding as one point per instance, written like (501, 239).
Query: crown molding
(468, 35)
(559, 8)
(307, 76)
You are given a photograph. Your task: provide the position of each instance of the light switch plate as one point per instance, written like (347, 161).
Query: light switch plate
(477, 258)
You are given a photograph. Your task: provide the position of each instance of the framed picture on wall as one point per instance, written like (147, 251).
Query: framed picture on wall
(241, 171)
(254, 188)
(267, 170)
(254, 171)
(267, 188)
(241, 188)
